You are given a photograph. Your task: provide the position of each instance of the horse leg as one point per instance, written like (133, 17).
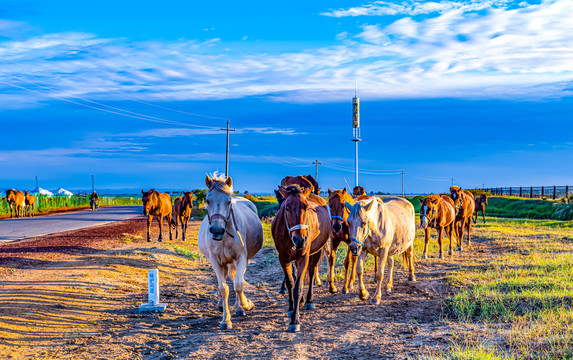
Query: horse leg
(450, 233)
(176, 221)
(410, 257)
(469, 229)
(440, 233)
(376, 265)
(316, 277)
(184, 222)
(221, 272)
(149, 219)
(383, 254)
(460, 231)
(289, 283)
(426, 239)
(225, 275)
(243, 303)
(483, 214)
(362, 293)
(347, 265)
(334, 243)
(390, 284)
(301, 267)
(160, 220)
(314, 259)
(169, 219)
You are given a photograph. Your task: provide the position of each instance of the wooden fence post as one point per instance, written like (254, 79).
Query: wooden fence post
(542, 191)
(520, 193)
(567, 191)
(554, 191)
(531, 192)
(510, 191)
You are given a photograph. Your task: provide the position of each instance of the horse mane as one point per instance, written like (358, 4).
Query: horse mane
(433, 198)
(220, 183)
(294, 190)
(358, 190)
(455, 188)
(344, 197)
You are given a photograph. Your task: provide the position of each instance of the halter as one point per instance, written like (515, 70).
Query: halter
(337, 217)
(430, 218)
(296, 227)
(365, 236)
(226, 219)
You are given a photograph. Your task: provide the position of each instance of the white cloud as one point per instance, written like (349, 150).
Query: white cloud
(501, 53)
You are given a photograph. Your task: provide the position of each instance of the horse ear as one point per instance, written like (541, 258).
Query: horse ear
(142, 192)
(369, 206)
(420, 199)
(307, 191)
(208, 182)
(344, 190)
(229, 182)
(329, 191)
(283, 191)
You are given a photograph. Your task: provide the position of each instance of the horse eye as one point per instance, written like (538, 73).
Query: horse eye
(287, 208)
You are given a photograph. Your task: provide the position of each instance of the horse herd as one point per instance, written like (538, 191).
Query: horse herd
(306, 227)
(20, 203)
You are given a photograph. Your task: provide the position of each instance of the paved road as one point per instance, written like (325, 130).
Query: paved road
(21, 228)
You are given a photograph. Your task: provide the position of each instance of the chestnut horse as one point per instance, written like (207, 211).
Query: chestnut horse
(30, 202)
(182, 209)
(159, 205)
(300, 230)
(16, 202)
(384, 228)
(229, 236)
(339, 218)
(481, 202)
(437, 212)
(464, 205)
(358, 190)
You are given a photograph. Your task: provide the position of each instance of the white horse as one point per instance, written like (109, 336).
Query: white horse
(230, 235)
(383, 228)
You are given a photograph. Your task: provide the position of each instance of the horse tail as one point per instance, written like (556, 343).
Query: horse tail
(174, 221)
(405, 260)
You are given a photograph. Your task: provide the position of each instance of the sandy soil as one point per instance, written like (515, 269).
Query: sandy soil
(75, 295)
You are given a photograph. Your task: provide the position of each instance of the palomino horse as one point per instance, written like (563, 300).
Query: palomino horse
(464, 204)
(159, 205)
(339, 216)
(300, 230)
(16, 202)
(437, 212)
(384, 228)
(182, 209)
(29, 202)
(481, 202)
(229, 236)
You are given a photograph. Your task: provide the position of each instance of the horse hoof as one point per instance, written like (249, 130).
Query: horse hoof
(375, 302)
(250, 305)
(423, 256)
(226, 325)
(309, 306)
(159, 240)
(282, 291)
(241, 312)
(389, 291)
(364, 295)
(441, 256)
(412, 278)
(459, 248)
(290, 313)
(450, 252)
(293, 328)
(344, 291)
(333, 290)
(148, 240)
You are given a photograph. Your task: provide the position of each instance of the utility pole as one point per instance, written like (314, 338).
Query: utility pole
(93, 183)
(356, 130)
(402, 183)
(452, 181)
(227, 153)
(36, 182)
(316, 163)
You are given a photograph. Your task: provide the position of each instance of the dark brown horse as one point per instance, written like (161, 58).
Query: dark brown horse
(358, 190)
(159, 205)
(339, 218)
(481, 202)
(182, 209)
(16, 202)
(300, 230)
(30, 202)
(437, 212)
(464, 205)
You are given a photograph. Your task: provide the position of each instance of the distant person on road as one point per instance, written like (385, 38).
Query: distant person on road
(93, 201)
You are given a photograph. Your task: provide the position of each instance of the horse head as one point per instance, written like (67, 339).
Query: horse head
(456, 194)
(359, 224)
(150, 200)
(429, 209)
(219, 199)
(358, 190)
(295, 212)
(338, 211)
(188, 196)
(484, 198)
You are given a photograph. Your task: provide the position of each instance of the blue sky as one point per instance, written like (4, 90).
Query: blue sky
(476, 90)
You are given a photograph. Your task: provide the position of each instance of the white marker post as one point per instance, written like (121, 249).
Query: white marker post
(153, 293)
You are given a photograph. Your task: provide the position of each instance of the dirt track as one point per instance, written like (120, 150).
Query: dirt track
(69, 296)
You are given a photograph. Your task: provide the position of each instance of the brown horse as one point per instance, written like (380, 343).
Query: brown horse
(464, 205)
(437, 212)
(358, 190)
(182, 209)
(481, 202)
(30, 202)
(300, 230)
(339, 218)
(16, 202)
(159, 205)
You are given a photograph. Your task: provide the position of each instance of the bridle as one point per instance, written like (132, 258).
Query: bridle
(460, 202)
(431, 217)
(294, 228)
(365, 236)
(230, 215)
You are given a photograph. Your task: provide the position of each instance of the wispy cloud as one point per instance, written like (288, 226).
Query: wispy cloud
(505, 52)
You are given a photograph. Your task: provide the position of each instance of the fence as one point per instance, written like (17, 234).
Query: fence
(532, 192)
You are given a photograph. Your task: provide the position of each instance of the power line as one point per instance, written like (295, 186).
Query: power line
(136, 115)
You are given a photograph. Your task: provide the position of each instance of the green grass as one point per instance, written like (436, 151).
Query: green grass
(526, 288)
(186, 251)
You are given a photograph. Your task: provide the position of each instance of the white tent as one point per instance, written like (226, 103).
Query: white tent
(64, 192)
(40, 191)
